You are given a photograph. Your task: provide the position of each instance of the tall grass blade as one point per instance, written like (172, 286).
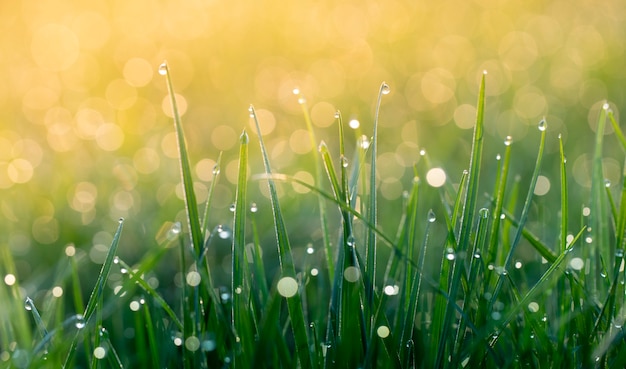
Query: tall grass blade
(466, 221)
(191, 206)
(98, 290)
(240, 282)
(294, 303)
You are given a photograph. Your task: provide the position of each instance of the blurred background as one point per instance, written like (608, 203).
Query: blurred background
(86, 135)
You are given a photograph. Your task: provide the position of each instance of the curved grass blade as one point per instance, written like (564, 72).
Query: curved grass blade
(209, 199)
(501, 183)
(294, 303)
(191, 207)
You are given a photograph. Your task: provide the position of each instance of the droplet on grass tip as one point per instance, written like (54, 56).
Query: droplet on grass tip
(344, 161)
(163, 68)
(607, 183)
(243, 139)
(542, 125)
(385, 89)
(337, 114)
(80, 321)
(28, 304)
(484, 213)
(606, 106)
(216, 169)
(287, 287)
(508, 140)
(251, 111)
(121, 220)
(254, 208)
(431, 216)
(310, 250)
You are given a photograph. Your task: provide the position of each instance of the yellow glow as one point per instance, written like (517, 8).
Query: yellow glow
(54, 47)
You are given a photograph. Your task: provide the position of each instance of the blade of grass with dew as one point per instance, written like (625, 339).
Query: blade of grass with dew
(152, 342)
(532, 239)
(525, 210)
(501, 182)
(270, 351)
(294, 303)
(616, 128)
(601, 250)
(209, 199)
(191, 206)
(19, 330)
(98, 289)
(318, 180)
(466, 221)
(241, 291)
(620, 232)
(372, 211)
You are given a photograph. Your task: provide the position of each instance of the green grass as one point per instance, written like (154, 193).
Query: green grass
(442, 291)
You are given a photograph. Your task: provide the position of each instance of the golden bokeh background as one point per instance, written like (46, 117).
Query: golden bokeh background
(86, 137)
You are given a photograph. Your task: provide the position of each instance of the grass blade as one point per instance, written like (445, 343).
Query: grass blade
(191, 207)
(294, 303)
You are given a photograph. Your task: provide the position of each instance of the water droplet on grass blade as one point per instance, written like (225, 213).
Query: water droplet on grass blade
(344, 161)
(337, 114)
(350, 241)
(163, 68)
(253, 207)
(484, 213)
(28, 304)
(607, 183)
(232, 208)
(385, 89)
(542, 125)
(121, 220)
(216, 169)
(80, 321)
(508, 140)
(431, 216)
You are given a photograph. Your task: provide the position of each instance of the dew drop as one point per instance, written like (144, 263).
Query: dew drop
(301, 100)
(176, 228)
(251, 111)
(121, 220)
(232, 208)
(477, 255)
(350, 241)
(337, 114)
(163, 68)
(310, 250)
(607, 183)
(542, 125)
(28, 304)
(485, 72)
(364, 142)
(606, 106)
(498, 157)
(344, 161)
(238, 290)
(431, 216)
(116, 260)
(484, 213)
(619, 253)
(216, 169)
(254, 208)
(296, 91)
(80, 322)
(560, 136)
(422, 152)
(508, 140)
(385, 89)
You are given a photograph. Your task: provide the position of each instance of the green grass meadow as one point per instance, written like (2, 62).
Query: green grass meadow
(312, 184)
(461, 281)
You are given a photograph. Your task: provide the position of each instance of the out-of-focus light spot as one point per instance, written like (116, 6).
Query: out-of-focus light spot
(193, 278)
(543, 186)
(315, 272)
(169, 145)
(232, 171)
(138, 72)
(586, 211)
(305, 177)
(465, 116)
(70, 250)
(99, 352)
(323, 114)
(181, 102)
(224, 137)
(391, 290)
(87, 123)
(57, 291)
(199, 188)
(383, 331)
(351, 274)
(391, 188)
(40, 98)
(518, 50)
(267, 122)
(10, 279)
(529, 103)
(287, 287)
(54, 47)
(354, 123)
(533, 307)
(192, 343)
(146, 160)
(205, 170)
(438, 85)
(45, 229)
(577, 263)
(389, 166)
(436, 177)
(83, 197)
(109, 137)
(134, 305)
(20, 170)
(123, 201)
(300, 142)
(499, 77)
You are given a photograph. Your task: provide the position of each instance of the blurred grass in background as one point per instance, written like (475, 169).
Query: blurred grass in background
(86, 137)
